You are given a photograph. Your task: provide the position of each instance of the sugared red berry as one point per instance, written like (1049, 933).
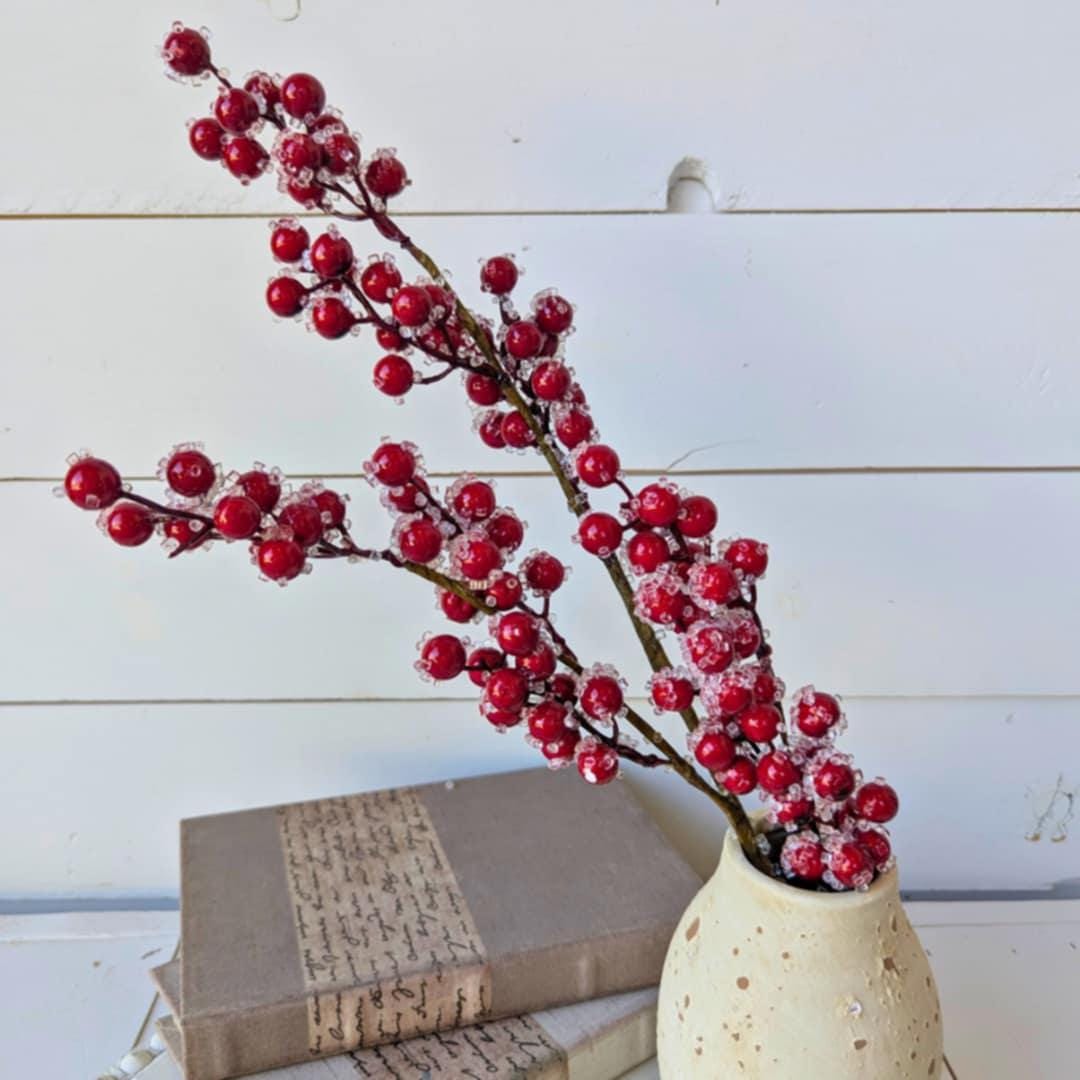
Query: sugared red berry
(517, 633)
(186, 51)
(506, 688)
(803, 857)
(92, 484)
(341, 153)
(236, 110)
(740, 777)
(788, 811)
(244, 158)
(561, 750)
(563, 687)
(393, 464)
(490, 429)
(850, 864)
(550, 380)
(547, 720)
(745, 635)
(729, 694)
(190, 473)
(760, 723)
(302, 95)
(505, 529)
(499, 275)
(237, 517)
(411, 305)
(597, 465)
(815, 713)
(389, 338)
(482, 662)
(298, 153)
(876, 844)
(596, 763)
(285, 296)
(331, 255)
(553, 314)
(482, 389)
(129, 524)
(657, 505)
(573, 427)
(309, 195)
(834, 780)
(543, 573)
(443, 657)
(263, 86)
(385, 176)
(714, 583)
(523, 339)
(749, 556)
(261, 488)
(331, 318)
(420, 540)
(456, 608)
(206, 136)
(697, 516)
(601, 697)
(289, 241)
(304, 519)
(715, 750)
(661, 601)
(776, 772)
(876, 801)
(539, 664)
(647, 551)
(600, 533)
(280, 559)
(671, 692)
(475, 557)
(474, 500)
(331, 507)
(379, 279)
(709, 648)
(516, 431)
(393, 375)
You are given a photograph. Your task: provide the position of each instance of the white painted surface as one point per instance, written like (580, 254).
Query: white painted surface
(826, 342)
(1007, 974)
(578, 106)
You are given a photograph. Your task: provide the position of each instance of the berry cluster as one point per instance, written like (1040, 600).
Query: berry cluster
(676, 578)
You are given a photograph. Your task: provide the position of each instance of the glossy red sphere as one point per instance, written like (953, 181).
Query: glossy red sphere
(129, 524)
(776, 772)
(244, 158)
(260, 487)
(600, 533)
(331, 318)
(490, 429)
(206, 136)
(597, 764)
(280, 559)
(851, 865)
(539, 664)
(476, 558)
(411, 305)
(482, 662)
(547, 720)
(92, 484)
(285, 296)
(804, 858)
(263, 86)
(543, 573)
(550, 380)
(341, 153)
(740, 777)
(302, 96)
(393, 375)
(331, 255)
(506, 688)
(379, 279)
(442, 657)
(393, 464)
(482, 389)
(186, 51)
(788, 811)
(503, 591)
(505, 529)
(523, 339)
(516, 431)
(190, 473)
(474, 500)
(420, 541)
(730, 694)
(715, 750)
(331, 506)
(385, 176)
(834, 780)
(671, 692)
(657, 505)
(573, 427)
(697, 516)
(709, 648)
(749, 556)
(597, 465)
(236, 110)
(561, 749)
(517, 633)
(499, 275)
(647, 551)
(815, 714)
(600, 696)
(305, 520)
(237, 517)
(289, 241)
(876, 801)
(553, 314)
(875, 843)
(715, 583)
(298, 153)
(309, 195)
(456, 608)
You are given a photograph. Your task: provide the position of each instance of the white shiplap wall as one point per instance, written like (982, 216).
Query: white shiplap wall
(889, 397)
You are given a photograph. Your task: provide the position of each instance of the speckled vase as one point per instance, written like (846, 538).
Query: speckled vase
(765, 980)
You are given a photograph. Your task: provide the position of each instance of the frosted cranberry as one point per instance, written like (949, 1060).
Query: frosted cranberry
(550, 380)
(186, 51)
(815, 713)
(766, 686)
(876, 801)
(261, 85)
(379, 280)
(285, 297)
(506, 688)
(482, 662)
(244, 158)
(850, 865)
(289, 241)
(563, 687)
(190, 473)
(516, 431)
(505, 529)
(597, 764)
(236, 110)
(390, 339)
(776, 772)
(539, 664)
(279, 559)
(730, 694)
(420, 541)
(760, 723)
(749, 556)
(597, 465)
(308, 195)
(547, 720)
(672, 693)
(443, 657)
(475, 557)
(237, 517)
(385, 176)
(404, 499)
(441, 300)
(302, 95)
(261, 488)
(341, 153)
(523, 340)
(789, 811)
(745, 636)
(601, 697)
(305, 521)
(298, 153)
(803, 857)
(544, 573)
(393, 375)
(517, 633)
(562, 748)
(499, 275)
(553, 314)
(205, 137)
(490, 429)
(740, 777)
(714, 583)
(503, 591)
(715, 751)
(876, 844)
(658, 602)
(331, 255)
(709, 649)
(500, 719)
(456, 608)
(331, 318)
(331, 507)
(129, 524)
(600, 533)
(657, 505)
(92, 484)
(834, 780)
(393, 464)
(411, 305)
(573, 427)
(697, 516)
(482, 389)
(647, 551)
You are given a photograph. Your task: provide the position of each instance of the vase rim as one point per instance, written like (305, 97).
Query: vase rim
(883, 885)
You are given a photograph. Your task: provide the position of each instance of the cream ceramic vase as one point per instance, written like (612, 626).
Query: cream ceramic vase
(765, 980)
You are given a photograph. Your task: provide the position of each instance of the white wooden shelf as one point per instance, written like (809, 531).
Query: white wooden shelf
(77, 994)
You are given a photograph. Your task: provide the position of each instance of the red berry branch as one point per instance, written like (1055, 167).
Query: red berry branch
(658, 544)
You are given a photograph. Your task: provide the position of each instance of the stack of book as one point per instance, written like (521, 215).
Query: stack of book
(503, 926)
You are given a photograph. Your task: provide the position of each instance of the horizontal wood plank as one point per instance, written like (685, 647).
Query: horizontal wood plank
(877, 585)
(583, 108)
(117, 780)
(703, 342)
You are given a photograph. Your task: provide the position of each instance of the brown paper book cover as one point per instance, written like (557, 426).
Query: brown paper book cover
(593, 1040)
(322, 927)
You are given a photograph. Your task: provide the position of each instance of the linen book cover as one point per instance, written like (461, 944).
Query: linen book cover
(594, 1040)
(321, 927)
